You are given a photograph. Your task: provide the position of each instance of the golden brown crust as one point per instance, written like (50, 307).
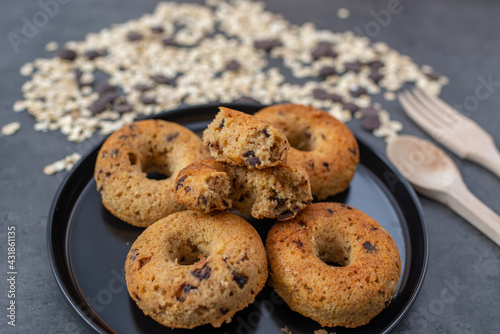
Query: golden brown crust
(322, 145)
(240, 139)
(348, 295)
(276, 192)
(191, 268)
(129, 154)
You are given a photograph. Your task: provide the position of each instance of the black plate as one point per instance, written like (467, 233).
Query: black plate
(87, 247)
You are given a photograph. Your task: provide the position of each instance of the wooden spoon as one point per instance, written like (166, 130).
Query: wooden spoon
(433, 174)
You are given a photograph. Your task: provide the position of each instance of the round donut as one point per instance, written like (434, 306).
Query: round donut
(333, 264)
(129, 154)
(192, 268)
(321, 144)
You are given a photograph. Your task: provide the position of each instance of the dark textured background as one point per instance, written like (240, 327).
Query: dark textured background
(459, 38)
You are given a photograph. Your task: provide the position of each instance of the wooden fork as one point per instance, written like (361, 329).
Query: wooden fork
(448, 126)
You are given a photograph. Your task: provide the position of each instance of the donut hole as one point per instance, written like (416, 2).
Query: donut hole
(186, 252)
(300, 139)
(333, 252)
(156, 175)
(155, 171)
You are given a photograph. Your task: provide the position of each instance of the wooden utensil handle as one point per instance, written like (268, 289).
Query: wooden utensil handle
(463, 202)
(489, 157)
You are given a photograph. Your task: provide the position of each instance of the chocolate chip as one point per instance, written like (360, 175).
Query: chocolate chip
(179, 182)
(221, 125)
(133, 254)
(370, 123)
(170, 42)
(249, 154)
(109, 97)
(375, 76)
(267, 44)
(252, 162)
(202, 199)
(134, 36)
(327, 71)
(104, 87)
(223, 310)
(369, 247)
(433, 75)
(161, 79)
(320, 94)
(172, 136)
(98, 107)
(335, 97)
(299, 243)
(369, 112)
(285, 215)
(353, 67)
(187, 189)
(147, 99)
(350, 106)
(92, 54)
(122, 106)
(330, 211)
(325, 164)
(359, 91)
(233, 66)
(376, 64)
(279, 201)
(188, 287)
(240, 279)
(353, 150)
(66, 54)
(157, 29)
(203, 273)
(323, 49)
(346, 206)
(265, 133)
(142, 87)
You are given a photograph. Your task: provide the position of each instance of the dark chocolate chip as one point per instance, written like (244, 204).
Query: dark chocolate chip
(346, 206)
(327, 71)
(353, 67)
(66, 54)
(104, 87)
(223, 310)
(98, 107)
(92, 54)
(233, 65)
(320, 94)
(369, 112)
(369, 247)
(161, 79)
(179, 182)
(249, 154)
(359, 91)
(265, 133)
(133, 254)
(134, 36)
(267, 44)
(299, 243)
(171, 136)
(147, 99)
(325, 164)
(285, 215)
(330, 211)
(188, 287)
(335, 97)
(221, 125)
(376, 64)
(202, 199)
(122, 106)
(143, 87)
(279, 201)
(157, 29)
(240, 279)
(353, 150)
(252, 162)
(109, 97)
(375, 76)
(323, 49)
(350, 106)
(170, 42)
(370, 123)
(187, 189)
(203, 273)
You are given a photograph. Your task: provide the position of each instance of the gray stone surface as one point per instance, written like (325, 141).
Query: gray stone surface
(461, 293)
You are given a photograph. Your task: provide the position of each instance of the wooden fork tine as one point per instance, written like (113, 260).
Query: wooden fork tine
(417, 113)
(441, 108)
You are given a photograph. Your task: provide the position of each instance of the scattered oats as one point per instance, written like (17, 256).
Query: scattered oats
(64, 164)
(10, 129)
(51, 46)
(19, 106)
(343, 13)
(285, 330)
(27, 69)
(389, 96)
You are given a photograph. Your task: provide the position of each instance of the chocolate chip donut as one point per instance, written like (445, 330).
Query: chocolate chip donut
(276, 192)
(240, 139)
(129, 154)
(333, 264)
(322, 145)
(192, 268)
